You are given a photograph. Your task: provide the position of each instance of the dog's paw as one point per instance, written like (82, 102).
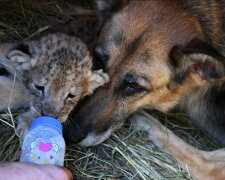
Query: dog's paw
(145, 122)
(140, 122)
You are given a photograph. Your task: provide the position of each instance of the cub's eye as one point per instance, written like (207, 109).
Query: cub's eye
(71, 96)
(39, 88)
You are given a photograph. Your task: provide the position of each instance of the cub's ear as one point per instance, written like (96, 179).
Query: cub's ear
(96, 79)
(197, 59)
(21, 57)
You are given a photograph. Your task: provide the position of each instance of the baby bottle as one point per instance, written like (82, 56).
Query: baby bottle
(44, 143)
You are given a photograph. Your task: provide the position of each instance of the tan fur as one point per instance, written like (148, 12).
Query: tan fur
(55, 73)
(202, 164)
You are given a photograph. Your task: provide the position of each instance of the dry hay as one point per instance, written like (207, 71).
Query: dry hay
(127, 154)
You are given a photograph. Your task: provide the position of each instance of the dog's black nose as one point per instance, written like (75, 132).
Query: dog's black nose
(75, 130)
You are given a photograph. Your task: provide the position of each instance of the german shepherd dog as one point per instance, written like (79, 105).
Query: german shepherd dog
(160, 55)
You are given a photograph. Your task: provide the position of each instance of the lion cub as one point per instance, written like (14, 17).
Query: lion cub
(55, 71)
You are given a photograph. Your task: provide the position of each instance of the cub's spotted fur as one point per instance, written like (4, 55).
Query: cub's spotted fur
(55, 72)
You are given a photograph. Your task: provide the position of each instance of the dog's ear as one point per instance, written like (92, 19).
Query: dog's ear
(21, 57)
(199, 59)
(107, 8)
(111, 5)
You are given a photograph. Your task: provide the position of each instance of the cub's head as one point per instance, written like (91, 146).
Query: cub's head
(56, 70)
(154, 54)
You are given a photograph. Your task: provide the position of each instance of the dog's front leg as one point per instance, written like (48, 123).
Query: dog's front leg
(202, 165)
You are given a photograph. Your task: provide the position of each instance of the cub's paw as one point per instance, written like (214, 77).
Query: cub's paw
(24, 121)
(62, 117)
(23, 125)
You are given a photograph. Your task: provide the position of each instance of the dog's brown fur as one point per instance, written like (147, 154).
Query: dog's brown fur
(159, 55)
(203, 165)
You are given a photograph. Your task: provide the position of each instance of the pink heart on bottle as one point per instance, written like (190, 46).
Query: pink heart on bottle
(45, 147)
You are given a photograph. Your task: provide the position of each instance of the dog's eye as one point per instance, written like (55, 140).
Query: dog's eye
(134, 85)
(131, 86)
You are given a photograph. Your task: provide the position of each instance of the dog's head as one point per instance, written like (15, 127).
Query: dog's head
(152, 57)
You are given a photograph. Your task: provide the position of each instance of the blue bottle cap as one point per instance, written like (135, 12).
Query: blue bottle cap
(48, 121)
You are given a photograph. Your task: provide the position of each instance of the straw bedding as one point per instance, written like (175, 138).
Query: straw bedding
(127, 154)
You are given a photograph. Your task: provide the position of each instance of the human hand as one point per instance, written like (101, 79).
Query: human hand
(29, 171)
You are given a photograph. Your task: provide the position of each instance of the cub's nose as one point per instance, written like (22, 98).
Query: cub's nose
(49, 111)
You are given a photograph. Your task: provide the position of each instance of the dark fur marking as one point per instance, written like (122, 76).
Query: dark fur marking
(117, 39)
(101, 58)
(212, 103)
(145, 57)
(134, 45)
(222, 10)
